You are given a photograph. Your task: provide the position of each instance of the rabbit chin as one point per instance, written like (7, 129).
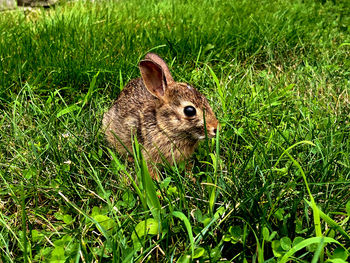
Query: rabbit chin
(200, 137)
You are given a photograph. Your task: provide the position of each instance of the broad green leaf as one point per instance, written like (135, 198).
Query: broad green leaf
(198, 215)
(43, 253)
(299, 226)
(198, 252)
(226, 238)
(279, 214)
(57, 255)
(347, 207)
(184, 259)
(95, 211)
(312, 247)
(272, 235)
(236, 232)
(63, 241)
(266, 233)
(67, 219)
(276, 248)
(239, 131)
(206, 221)
(340, 253)
(172, 190)
(165, 183)
(146, 227)
(297, 240)
(286, 243)
(36, 235)
(105, 222)
(215, 254)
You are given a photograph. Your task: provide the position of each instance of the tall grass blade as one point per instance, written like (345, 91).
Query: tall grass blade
(313, 203)
(134, 184)
(187, 223)
(68, 109)
(331, 222)
(305, 243)
(216, 160)
(24, 225)
(90, 92)
(219, 88)
(149, 192)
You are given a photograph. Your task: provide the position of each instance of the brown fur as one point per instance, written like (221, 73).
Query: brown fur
(152, 108)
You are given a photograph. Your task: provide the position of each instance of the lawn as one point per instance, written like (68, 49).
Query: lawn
(273, 186)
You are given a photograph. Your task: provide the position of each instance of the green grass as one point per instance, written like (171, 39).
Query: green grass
(272, 187)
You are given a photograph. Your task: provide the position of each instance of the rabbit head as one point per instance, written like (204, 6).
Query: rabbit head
(182, 112)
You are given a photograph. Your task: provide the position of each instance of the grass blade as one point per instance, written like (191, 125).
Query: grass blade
(68, 109)
(187, 223)
(317, 221)
(218, 88)
(89, 93)
(24, 225)
(150, 194)
(305, 243)
(216, 160)
(331, 222)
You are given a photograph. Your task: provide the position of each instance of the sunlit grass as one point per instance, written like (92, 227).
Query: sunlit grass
(277, 76)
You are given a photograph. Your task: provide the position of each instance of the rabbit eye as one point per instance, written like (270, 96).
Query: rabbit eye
(190, 111)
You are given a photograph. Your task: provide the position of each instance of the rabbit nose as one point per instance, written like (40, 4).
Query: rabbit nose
(214, 128)
(212, 131)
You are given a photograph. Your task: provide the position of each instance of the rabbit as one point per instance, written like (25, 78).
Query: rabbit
(166, 116)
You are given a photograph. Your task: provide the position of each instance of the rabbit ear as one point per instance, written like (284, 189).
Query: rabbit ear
(157, 59)
(153, 77)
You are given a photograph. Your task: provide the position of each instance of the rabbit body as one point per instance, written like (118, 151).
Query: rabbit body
(153, 108)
